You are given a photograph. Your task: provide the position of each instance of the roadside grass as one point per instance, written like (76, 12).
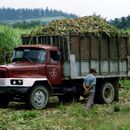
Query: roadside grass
(69, 116)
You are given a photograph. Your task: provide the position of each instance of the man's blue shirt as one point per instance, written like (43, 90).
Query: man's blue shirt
(90, 79)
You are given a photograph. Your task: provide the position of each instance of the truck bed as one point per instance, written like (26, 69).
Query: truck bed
(108, 55)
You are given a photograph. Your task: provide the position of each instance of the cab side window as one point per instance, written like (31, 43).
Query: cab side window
(54, 56)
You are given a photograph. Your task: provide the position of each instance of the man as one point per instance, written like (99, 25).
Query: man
(89, 86)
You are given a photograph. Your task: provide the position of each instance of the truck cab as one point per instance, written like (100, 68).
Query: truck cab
(31, 75)
(45, 58)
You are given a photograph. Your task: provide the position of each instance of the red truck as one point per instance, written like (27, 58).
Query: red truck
(45, 66)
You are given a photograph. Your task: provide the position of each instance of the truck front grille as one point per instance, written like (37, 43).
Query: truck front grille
(3, 74)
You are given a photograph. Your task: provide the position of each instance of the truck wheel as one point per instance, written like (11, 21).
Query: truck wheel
(107, 93)
(38, 97)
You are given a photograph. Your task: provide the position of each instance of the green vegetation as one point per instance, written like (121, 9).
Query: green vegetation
(127, 30)
(71, 116)
(9, 38)
(122, 23)
(88, 25)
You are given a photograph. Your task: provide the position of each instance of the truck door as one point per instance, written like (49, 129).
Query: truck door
(54, 68)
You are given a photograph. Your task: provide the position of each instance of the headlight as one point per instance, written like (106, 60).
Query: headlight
(16, 82)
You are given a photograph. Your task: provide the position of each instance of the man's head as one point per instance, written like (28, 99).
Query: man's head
(93, 71)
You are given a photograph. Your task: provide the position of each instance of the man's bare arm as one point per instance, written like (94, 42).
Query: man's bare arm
(87, 89)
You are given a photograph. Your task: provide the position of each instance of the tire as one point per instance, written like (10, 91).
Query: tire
(107, 93)
(38, 97)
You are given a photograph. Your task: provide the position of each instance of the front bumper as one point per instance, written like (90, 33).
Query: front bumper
(17, 82)
(17, 86)
(14, 86)
(13, 90)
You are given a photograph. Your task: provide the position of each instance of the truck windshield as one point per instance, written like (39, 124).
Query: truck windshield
(31, 55)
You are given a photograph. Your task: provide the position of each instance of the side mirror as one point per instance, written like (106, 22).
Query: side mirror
(60, 55)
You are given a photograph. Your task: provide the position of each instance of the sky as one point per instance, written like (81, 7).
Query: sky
(108, 9)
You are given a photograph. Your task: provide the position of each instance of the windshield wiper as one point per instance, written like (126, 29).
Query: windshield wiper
(28, 59)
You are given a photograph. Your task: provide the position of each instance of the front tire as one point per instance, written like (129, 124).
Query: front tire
(38, 97)
(107, 93)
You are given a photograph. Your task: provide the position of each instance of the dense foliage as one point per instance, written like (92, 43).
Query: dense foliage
(9, 38)
(122, 23)
(23, 14)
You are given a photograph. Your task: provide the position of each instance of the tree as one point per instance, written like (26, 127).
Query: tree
(23, 14)
(122, 23)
